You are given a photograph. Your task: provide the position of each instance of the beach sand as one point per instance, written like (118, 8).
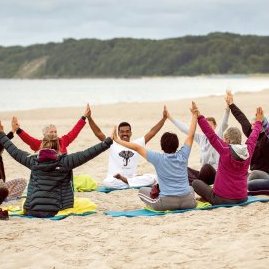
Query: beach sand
(222, 238)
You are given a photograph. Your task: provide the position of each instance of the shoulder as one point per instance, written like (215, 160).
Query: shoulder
(140, 141)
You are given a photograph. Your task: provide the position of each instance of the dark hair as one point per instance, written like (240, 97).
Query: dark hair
(169, 142)
(123, 124)
(212, 119)
(50, 142)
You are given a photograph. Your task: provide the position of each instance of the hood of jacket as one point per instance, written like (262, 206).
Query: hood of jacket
(240, 152)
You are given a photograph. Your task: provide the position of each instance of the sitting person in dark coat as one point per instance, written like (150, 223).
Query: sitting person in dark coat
(50, 186)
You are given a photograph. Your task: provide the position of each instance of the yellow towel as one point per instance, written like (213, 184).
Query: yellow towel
(84, 183)
(81, 206)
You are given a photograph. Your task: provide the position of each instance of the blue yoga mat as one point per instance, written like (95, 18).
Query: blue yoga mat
(151, 213)
(108, 190)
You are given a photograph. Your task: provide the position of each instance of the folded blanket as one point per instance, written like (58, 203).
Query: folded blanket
(200, 206)
(82, 207)
(84, 183)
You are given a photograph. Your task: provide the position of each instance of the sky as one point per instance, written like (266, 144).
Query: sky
(26, 22)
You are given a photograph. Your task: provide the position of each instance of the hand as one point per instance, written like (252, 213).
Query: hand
(1, 127)
(194, 109)
(229, 97)
(165, 112)
(14, 124)
(259, 114)
(114, 135)
(87, 112)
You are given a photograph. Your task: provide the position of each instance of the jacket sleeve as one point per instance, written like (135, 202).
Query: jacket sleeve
(72, 135)
(214, 140)
(17, 154)
(252, 139)
(242, 119)
(29, 140)
(224, 123)
(184, 128)
(10, 135)
(265, 125)
(76, 159)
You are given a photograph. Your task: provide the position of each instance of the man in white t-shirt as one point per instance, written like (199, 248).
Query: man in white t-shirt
(122, 161)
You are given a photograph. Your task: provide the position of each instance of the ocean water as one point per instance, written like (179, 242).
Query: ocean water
(24, 94)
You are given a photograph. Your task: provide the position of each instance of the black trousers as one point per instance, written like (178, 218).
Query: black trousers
(207, 174)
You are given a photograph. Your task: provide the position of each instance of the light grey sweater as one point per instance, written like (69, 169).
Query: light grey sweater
(208, 155)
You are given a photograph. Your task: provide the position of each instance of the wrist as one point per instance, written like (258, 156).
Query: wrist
(18, 131)
(83, 117)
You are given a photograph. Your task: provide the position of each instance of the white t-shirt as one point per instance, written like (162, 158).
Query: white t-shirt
(123, 160)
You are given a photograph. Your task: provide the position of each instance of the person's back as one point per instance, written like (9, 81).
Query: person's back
(231, 176)
(50, 187)
(171, 169)
(231, 179)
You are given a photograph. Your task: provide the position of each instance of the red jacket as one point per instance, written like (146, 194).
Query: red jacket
(64, 141)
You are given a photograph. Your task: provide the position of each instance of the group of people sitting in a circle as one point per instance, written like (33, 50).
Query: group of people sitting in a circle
(224, 160)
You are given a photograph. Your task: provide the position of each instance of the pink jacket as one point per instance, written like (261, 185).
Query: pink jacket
(231, 176)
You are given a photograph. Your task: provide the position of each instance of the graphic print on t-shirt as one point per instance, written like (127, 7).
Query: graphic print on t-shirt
(126, 155)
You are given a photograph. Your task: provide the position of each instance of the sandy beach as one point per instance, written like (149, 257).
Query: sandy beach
(237, 237)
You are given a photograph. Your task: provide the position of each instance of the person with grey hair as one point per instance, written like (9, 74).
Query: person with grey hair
(230, 186)
(64, 141)
(259, 164)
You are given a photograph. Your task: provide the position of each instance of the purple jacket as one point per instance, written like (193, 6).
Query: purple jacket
(231, 176)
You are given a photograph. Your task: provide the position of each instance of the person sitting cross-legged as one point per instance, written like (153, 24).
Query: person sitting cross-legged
(50, 185)
(171, 168)
(122, 162)
(230, 185)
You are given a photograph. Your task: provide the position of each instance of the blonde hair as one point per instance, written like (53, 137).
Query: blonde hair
(233, 135)
(46, 129)
(50, 142)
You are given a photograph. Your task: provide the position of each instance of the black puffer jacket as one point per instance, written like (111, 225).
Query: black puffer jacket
(50, 188)
(2, 168)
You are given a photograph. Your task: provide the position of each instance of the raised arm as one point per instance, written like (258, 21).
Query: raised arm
(265, 125)
(224, 123)
(72, 135)
(76, 159)
(190, 137)
(17, 154)
(96, 130)
(26, 138)
(252, 139)
(213, 138)
(139, 149)
(183, 127)
(155, 129)
(238, 114)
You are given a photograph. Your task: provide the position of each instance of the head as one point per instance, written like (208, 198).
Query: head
(169, 142)
(50, 142)
(212, 122)
(233, 136)
(125, 131)
(50, 130)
